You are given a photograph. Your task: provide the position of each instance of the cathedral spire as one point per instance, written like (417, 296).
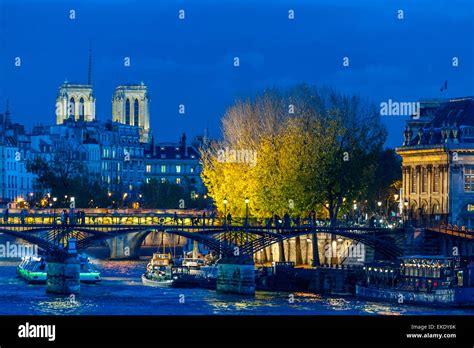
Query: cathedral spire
(89, 75)
(7, 112)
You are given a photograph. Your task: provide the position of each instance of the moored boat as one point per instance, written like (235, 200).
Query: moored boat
(425, 280)
(195, 277)
(159, 270)
(32, 269)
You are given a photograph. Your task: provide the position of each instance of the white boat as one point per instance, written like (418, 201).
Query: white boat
(158, 271)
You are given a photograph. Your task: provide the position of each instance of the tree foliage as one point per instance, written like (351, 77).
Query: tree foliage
(316, 150)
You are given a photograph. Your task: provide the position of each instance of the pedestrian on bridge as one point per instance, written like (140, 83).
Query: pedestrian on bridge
(175, 218)
(63, 217)
(229, 219)
(23, 215)
(5, 215)
(71, 216)
(286, 220)
(268, 222)
(213, 217)
(82, 217)
(204, 218)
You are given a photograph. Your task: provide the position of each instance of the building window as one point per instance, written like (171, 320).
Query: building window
(178, 181)
(414, 179)
(178, 168)
(127, 111)
(436, 180)
(163, 180)
(163, 168)
(72, 107)
(81, 109)
(424, 180)
(148, 168)
(135, 113)
(469, 179)
(191, 169)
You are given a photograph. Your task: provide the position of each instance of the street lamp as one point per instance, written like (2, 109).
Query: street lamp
(247, 211)
(379, 203)
(54, 208)
(225, 220)
(405, 203)
(225, 211)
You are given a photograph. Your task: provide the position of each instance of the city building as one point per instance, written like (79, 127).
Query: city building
(438, 162)
(120, 153)
(16, 183)
(176, 163)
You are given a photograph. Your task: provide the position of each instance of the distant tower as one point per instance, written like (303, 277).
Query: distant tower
(8, 120)
(89, 73)
(76, 101)
(130, 105)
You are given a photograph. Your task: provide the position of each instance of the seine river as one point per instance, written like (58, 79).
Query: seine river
(122, 293)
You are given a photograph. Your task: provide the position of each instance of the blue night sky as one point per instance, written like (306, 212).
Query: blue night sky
(191, 62)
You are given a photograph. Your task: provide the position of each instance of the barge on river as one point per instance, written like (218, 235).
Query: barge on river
(425, 280)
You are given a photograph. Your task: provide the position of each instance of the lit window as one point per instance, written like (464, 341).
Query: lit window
(178, 168)
(436, 180)
(148, 168)
(469, 179)
(163, 168)
(178, 181)
(163, 180)
(127, 111)
(191, 169)
(135, 113)
(424, 180)
(72, 107)
(414, 178)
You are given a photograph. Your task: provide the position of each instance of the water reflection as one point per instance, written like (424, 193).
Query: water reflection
(122, 293)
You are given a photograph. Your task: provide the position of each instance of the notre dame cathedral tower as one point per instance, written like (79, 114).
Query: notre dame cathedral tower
(130, 105)
(76, 101)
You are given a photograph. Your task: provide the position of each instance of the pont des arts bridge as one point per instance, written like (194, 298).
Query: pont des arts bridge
(125, 230)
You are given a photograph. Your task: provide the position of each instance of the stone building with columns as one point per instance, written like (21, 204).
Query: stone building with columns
(438, 162)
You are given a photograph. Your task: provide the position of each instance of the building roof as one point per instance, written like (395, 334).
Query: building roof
(450, 122)
(171, 150)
